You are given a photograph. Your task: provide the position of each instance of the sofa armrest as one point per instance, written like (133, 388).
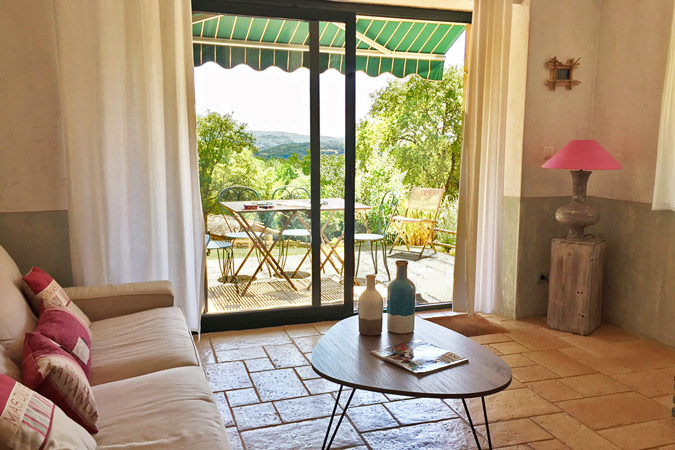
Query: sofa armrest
(106, 301)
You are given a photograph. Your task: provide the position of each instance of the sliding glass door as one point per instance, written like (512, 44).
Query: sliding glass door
(281, 219)
(286, 129)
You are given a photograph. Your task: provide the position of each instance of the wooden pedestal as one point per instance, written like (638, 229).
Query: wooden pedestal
(575, 285)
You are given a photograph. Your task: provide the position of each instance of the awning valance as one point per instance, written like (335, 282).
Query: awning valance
(400, 47)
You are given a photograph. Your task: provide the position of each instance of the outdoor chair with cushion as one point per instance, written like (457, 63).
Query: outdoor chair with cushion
(421, 213)
(387, 208)
(296, 231)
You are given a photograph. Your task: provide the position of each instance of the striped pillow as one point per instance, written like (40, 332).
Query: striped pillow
(48, 293)
(54, 373)
(29, 421)
(66, 328)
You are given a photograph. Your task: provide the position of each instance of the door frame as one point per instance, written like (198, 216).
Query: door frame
(314, 11)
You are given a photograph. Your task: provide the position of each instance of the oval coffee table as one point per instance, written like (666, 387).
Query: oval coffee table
(343, 357)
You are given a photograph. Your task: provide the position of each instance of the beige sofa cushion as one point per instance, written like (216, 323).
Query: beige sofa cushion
(140, 343)
(171, 409)
(7, 366)
(16, 318)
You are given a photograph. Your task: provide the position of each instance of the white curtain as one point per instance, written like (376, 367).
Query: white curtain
(478, 284)
(664, 180)
(126, 85)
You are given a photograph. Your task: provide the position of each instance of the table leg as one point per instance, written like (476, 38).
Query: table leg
(487, 425)
(473, 429)
(267, 253)
(342, 416)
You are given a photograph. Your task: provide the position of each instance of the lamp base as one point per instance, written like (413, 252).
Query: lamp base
(577, 214)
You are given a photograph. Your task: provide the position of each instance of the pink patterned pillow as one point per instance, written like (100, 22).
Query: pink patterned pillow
(29, 421)
(64, 327)
(48, 293)
(54, 373)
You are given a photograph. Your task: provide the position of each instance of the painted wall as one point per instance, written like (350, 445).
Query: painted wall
(623, 50)
(513, 154)
(33, 178)
(631, 69)
(564, 29)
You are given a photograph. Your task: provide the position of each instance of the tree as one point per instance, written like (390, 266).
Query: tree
(225, 154)
(420, 123)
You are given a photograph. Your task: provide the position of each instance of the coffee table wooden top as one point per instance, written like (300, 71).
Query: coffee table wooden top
(343, 356)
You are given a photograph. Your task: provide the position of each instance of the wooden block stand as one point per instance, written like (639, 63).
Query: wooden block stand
(575, 285)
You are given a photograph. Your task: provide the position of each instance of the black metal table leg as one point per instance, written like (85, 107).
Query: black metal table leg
(487, 425)
(473, 429)
(342, 416)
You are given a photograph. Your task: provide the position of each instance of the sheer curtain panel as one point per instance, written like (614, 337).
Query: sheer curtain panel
(126, 84)
(664, 181)
(478, 272)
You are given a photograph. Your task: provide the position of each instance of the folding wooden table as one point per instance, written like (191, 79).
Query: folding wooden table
(289, 209)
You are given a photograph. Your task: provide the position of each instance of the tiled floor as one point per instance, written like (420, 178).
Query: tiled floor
(606, 391)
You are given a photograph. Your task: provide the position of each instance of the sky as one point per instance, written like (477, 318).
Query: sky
(275, 100)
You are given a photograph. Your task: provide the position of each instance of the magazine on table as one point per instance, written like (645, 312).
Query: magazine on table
(419, 357)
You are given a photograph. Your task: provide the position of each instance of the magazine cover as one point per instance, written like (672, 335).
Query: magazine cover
(419, 357)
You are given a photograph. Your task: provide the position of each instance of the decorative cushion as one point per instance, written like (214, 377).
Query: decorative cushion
(7, 366)
(48, 293)
(29, 421)
(16, 318)
(66, 328)
(54, 373)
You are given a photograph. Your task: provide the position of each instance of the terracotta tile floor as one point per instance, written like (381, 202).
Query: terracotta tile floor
(605, 391)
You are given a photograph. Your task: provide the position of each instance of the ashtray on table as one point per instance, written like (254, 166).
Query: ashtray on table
(249, 206)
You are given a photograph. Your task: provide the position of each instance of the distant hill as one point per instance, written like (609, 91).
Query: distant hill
(280, 144)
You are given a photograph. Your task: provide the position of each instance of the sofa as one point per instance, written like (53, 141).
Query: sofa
(146, 376)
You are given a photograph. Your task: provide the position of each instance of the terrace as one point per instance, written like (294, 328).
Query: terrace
(269, 292)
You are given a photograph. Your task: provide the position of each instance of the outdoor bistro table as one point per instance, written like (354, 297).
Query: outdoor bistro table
(288, 209)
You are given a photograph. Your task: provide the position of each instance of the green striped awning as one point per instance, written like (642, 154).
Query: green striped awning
(400, 47)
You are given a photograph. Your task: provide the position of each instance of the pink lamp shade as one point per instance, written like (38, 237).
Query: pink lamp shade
(582, 155)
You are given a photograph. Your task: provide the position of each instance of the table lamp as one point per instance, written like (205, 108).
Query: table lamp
(580, 157)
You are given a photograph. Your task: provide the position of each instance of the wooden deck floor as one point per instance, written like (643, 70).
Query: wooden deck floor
(432, 276)
(270, 294)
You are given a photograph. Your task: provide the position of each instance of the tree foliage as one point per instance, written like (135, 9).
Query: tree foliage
(410, 137)
(225, 155)
(419, 122)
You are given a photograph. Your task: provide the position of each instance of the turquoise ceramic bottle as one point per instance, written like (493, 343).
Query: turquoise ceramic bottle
(401, 302)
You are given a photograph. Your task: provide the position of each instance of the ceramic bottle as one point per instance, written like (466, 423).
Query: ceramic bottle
(370, 309)
(401, 302)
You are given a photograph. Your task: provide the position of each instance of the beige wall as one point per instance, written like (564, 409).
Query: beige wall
(564, 29)
(623, 50)
(631, 66)
(33, 178)
(32, 161)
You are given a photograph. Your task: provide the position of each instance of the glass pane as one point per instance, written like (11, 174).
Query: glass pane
(254, 127)
(332, 126)
(408, 140)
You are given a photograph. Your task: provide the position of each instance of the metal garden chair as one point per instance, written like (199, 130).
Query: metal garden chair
(424, 201)
(297, 231)
(225, 254)
(239, 194)
(387, 208)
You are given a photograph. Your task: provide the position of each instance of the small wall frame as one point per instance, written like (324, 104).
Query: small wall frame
(562, 73)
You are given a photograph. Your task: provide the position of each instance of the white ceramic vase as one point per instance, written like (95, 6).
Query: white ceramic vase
(370, 309)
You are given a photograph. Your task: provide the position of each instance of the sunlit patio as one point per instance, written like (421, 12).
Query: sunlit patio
(432, 274)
